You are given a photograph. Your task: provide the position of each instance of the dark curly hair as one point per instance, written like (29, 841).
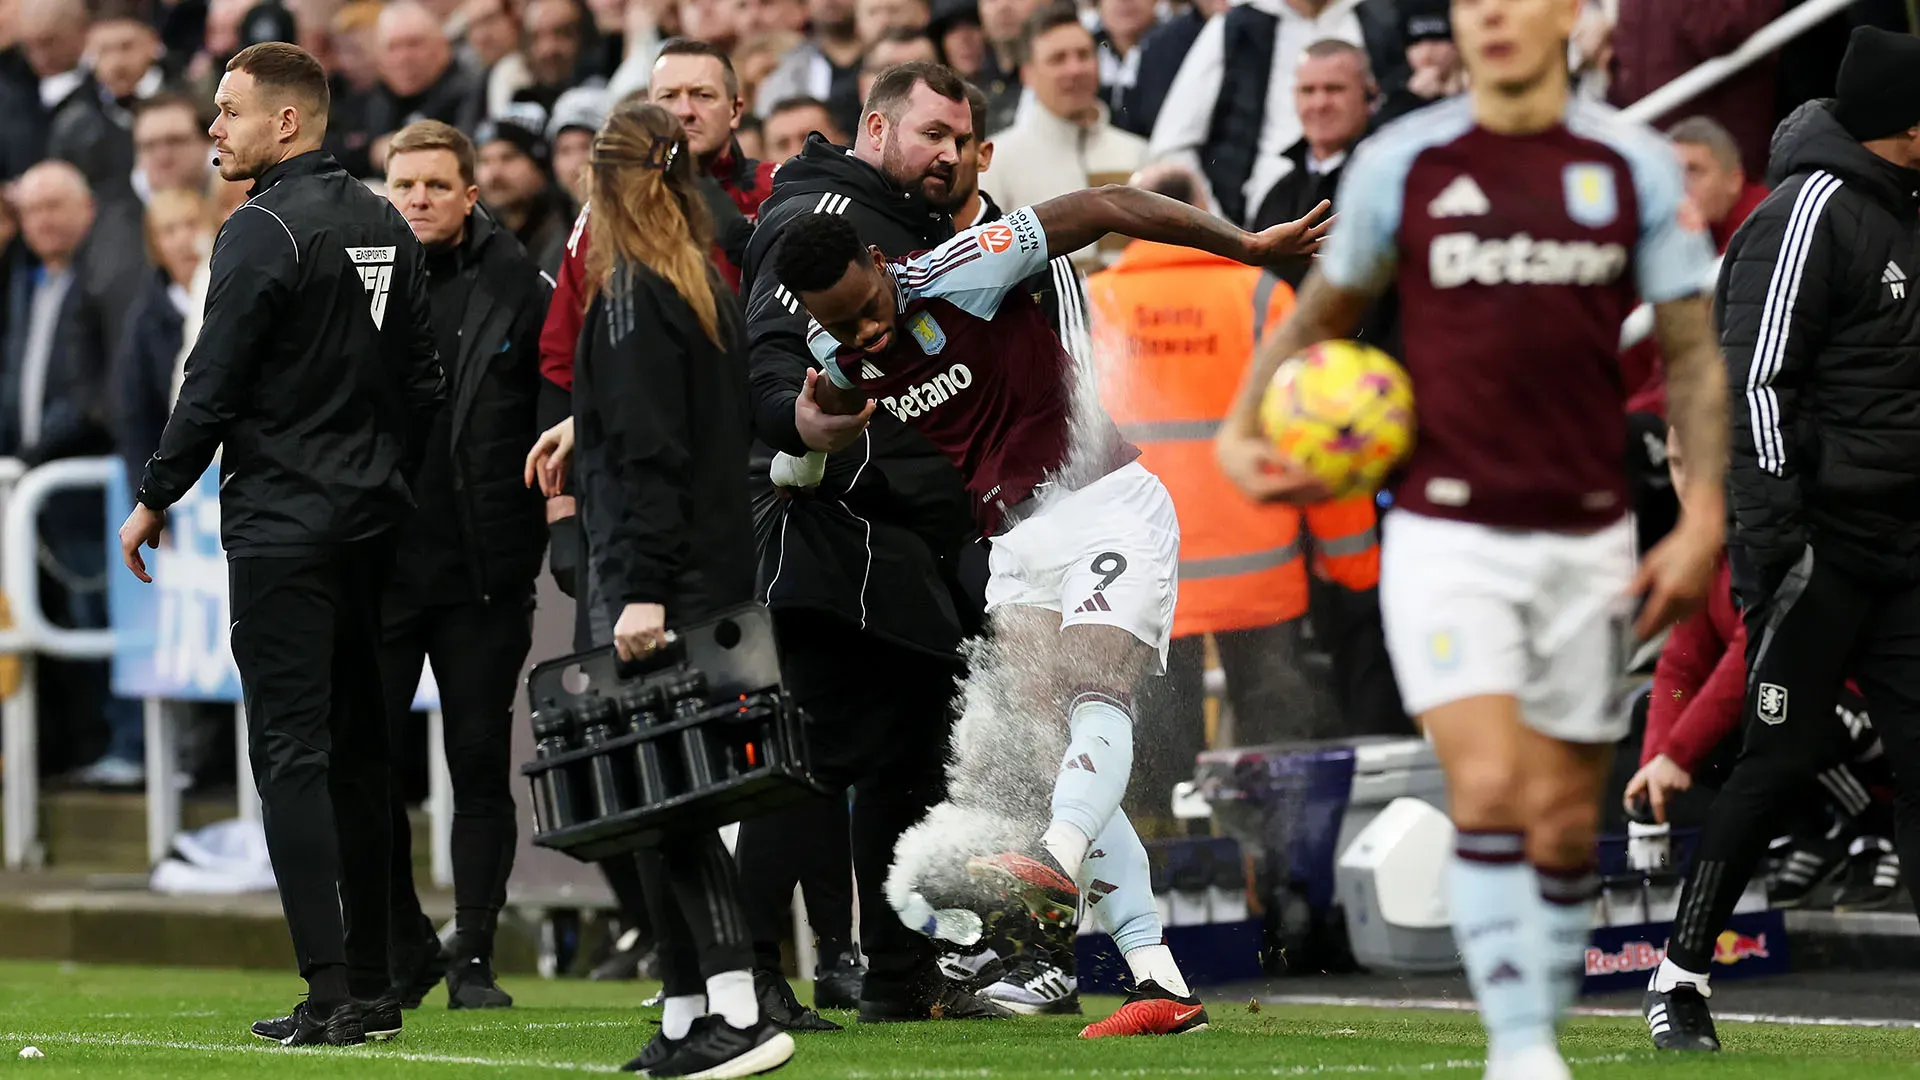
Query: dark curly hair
(815, 251)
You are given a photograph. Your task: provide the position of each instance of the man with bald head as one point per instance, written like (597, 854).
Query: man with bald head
(418, 81)
(315, 376)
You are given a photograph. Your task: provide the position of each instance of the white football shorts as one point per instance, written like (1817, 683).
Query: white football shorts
(1541, 616)
(1106, 555)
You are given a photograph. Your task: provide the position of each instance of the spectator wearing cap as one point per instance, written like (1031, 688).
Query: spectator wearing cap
(1229, 113)
(789, 122)
(418, 81)
(1433, 61)
(576, 116)
(955, 28)
(1123, 25)
(1067, 141)
(1160, 56)
(515, 175)
(553, 41)
(1333, 95)
(826, 66)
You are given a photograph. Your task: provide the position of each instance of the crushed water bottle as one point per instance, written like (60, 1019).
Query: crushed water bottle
(958, 925)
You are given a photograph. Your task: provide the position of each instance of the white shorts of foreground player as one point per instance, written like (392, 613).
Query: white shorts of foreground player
(1544, 617)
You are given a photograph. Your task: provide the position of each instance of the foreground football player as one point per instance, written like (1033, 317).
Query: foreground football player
(1519, 225)
(1085, 544)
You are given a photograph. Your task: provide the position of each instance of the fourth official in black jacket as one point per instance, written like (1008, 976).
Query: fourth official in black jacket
(1822, 340)
(315, 377)
(462, 588)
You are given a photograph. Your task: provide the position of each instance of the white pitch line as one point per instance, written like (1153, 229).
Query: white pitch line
(1456, 1005)
(375, 1054)
(1419, 1069)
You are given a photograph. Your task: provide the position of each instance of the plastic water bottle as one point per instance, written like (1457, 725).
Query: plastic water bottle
(1649, 847)
(553, 790)
(958, 925)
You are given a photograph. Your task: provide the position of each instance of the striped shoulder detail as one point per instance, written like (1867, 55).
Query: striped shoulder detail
(831, 203)
(787, 299)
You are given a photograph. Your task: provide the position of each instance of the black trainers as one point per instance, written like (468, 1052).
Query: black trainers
(1872, 880)
(836, 983)
(654, 1054)
(782, 1009)
(381, 1017)
(943, 1000)
(1680, 1020)
(344, 1026)
(417, 969)
(715, 1050)
(470, 985)
(632, 957)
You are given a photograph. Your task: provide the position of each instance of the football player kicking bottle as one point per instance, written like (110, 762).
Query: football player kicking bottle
(1520, 225)
(1085, 544)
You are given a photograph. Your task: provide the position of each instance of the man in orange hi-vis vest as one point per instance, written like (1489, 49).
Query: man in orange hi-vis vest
(1173, 328)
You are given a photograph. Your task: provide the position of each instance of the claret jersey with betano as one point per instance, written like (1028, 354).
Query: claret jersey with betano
(973, 364)
(1517, 257)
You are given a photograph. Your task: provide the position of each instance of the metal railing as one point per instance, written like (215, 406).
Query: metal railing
(23, 492)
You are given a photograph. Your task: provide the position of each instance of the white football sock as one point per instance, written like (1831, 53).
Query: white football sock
(680, 1013)
(1155, 962)
(1068, 846)
(1670, 975)
(730, 994)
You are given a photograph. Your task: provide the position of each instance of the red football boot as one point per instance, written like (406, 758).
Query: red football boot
(1040, 884)
(1151, 1010)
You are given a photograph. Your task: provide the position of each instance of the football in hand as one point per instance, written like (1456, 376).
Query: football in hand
(1344, 412)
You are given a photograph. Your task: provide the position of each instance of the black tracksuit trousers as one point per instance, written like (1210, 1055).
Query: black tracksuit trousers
(477, 650)
(306, 633)
(1818, 628)
(879, 717)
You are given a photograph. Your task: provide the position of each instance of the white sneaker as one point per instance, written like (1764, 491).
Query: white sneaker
(1033, 986)
(1537, 1063)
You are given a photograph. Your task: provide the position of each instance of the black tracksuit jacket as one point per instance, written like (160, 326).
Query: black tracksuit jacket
(1820, 324)
(882, 543)
(315, 372)
(662, 434)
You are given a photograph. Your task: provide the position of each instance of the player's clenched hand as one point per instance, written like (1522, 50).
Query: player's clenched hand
(1260, 473)
(1298, 237)
(820, 428)
(547, 461)
(1674, 577)
(1655, 779)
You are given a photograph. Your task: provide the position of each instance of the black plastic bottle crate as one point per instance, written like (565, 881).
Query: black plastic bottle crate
(699, 735)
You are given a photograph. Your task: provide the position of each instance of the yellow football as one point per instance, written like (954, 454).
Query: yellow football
(1343, 411)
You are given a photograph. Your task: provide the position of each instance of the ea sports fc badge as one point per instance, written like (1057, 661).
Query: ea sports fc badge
(927, 333)
(1591, 199)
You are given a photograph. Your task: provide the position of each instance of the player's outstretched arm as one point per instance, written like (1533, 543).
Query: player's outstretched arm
(1325, 311)
(1074, 220)
(1675, 576)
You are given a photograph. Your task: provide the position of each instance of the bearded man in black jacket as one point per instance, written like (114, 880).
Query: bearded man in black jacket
(872, 561)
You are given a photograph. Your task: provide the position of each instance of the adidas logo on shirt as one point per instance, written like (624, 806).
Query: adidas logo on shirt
(1895, 279)
(1462, 198)
(1094, 603)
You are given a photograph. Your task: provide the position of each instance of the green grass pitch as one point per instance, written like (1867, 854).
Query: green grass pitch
(156, 1022)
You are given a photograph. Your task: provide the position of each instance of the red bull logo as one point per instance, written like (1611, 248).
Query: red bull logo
(1631, 957)
(1732, 947)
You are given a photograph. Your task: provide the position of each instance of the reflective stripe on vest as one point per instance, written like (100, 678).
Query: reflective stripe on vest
(1251, 562)
(1357, 544)
(1157, 431)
